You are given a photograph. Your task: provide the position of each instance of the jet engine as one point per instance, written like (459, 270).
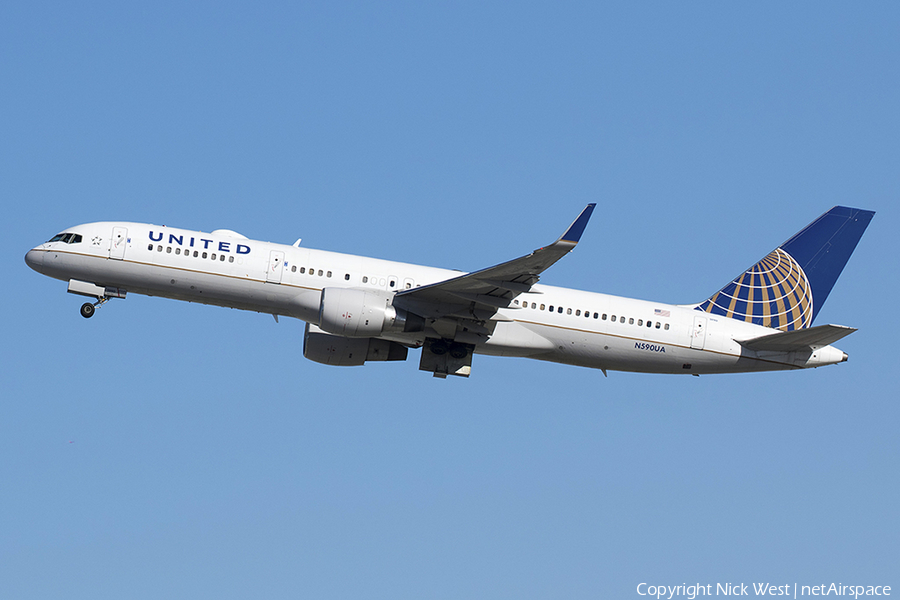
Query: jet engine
(363, 313)
(341, 351)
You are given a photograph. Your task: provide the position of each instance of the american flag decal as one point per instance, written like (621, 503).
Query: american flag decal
(661, 313)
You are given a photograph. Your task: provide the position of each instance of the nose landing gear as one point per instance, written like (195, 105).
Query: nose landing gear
(102, 294)
(88, 309)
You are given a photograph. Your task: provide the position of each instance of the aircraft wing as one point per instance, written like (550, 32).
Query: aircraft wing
(480, 294)
(798, 339)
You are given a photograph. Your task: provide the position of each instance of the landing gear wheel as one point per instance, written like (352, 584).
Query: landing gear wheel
(87, 310)
(458, 351)
(439, 347)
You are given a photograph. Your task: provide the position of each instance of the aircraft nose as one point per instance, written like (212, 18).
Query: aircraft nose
(35, 259)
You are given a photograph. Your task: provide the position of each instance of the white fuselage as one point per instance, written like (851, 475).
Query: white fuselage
(549, 323)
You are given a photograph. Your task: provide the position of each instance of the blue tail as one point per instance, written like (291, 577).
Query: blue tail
(786, 289)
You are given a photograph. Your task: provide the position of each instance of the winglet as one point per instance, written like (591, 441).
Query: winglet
(573, 233)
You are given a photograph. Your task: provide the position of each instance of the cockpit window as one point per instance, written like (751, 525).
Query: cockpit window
(67, 238)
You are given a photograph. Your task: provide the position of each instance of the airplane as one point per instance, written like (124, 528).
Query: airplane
(359, 309)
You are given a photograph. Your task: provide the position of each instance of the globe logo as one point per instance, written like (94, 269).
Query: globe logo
(773, 293)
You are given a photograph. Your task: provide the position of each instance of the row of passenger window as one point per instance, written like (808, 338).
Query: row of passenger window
(221, 257)
(391, 282)
(312, 271)
(587, 314)
(197, 253)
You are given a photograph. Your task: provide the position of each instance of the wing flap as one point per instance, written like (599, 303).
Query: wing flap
(798, 339)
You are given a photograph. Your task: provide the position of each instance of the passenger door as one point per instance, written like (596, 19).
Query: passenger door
(276, 266)
(698, 333)
(118, 243)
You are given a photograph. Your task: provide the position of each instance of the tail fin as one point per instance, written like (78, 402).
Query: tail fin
(786, 289)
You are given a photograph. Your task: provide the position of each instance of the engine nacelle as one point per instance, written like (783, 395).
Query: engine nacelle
(337, 350)
(363, 313)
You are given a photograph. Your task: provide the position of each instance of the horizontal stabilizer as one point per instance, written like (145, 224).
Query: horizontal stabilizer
(798, 339)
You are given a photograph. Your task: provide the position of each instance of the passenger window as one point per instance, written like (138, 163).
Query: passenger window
(595, 316)
(649, 323)
(393, 283)
(320, 272)
(213, 256)
(631, 321)
(551, 308)
(205, 254)
(177, 251)
(542, 307)
(231, 259)
(221, 258)
(168, 249)
(666, 327)
(302, 270)
(533, 305)
(195, 254)
(569, 311)
(346, 276)
(640, 322)
(559, 310)
(613, 318)
(657, 324)
(328, 274)
(159, 248)
(149, 246)
(294, 269)
(365, 279)
(578, 312)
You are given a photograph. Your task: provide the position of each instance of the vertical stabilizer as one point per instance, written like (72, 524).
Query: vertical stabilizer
(786, 289)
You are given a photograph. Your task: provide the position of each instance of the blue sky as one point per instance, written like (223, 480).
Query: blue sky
(164, 449)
